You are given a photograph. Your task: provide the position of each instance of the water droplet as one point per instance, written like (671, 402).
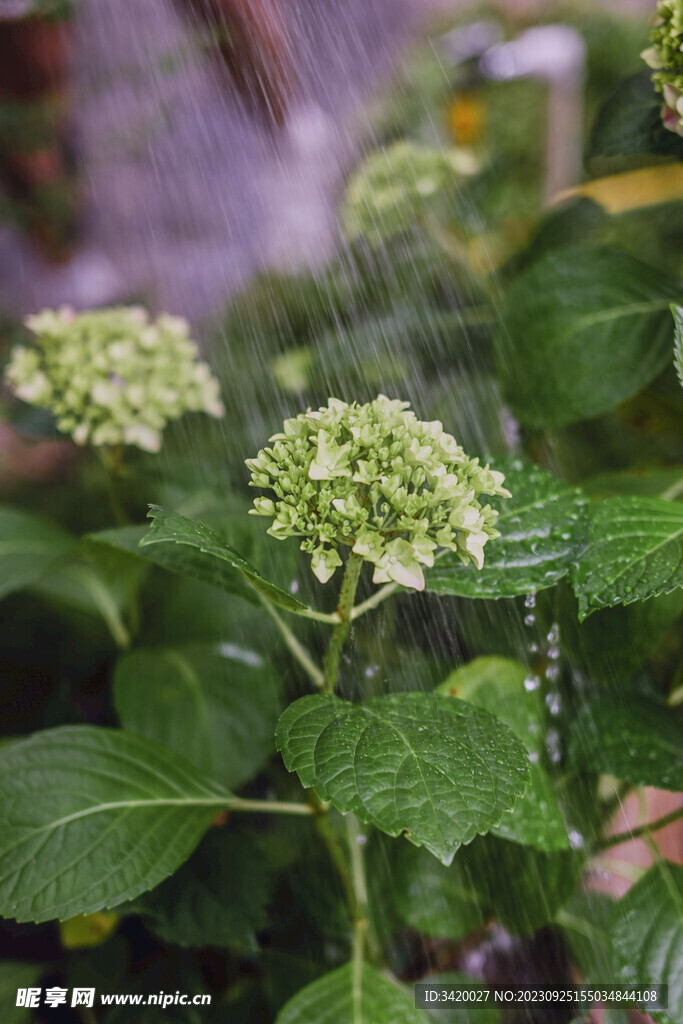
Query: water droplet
(371, 671)
(553, 704)
(576, 840)
(533, 757)
(530, 601)
(294, 587)
(531, 683)
(361, 839)
(529, 620)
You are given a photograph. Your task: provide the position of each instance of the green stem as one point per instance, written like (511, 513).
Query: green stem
(360, 913)
(607, 842)
(380, 595)
(341, 630)
(295, 647)
(236, 803)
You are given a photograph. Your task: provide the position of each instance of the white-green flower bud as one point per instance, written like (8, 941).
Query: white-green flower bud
(377, 480)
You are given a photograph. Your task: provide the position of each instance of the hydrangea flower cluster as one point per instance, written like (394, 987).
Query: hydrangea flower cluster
(376, 479)
(112, 376)
(665, 56)
(398, 185)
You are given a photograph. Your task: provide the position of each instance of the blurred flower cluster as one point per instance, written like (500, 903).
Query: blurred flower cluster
(665, 56)
(397, 186)
(376, 479)
(112, 376)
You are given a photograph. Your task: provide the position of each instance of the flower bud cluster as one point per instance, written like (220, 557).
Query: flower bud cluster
(665, 57)
(397, 186)
(112, 376)
(379, 481)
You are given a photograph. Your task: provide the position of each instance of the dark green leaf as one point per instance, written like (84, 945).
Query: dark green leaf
(582, 331)
(586, 924)
(209, 558)
(630, 122)
(635, 739)
(498, 685)
(217, 899)
(647, 935)
(93, 817)
(29, 548)
(15, 974)
(434, 768)
(635, 551)
(542, 531)
(229, 695)
(343, 997)
(523, 887)
(645, 481)
(436, 900)
(678, 341)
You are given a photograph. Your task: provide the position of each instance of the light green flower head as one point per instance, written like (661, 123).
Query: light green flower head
(665, 56)
(112, 376)
(397, 186)
(379, 481)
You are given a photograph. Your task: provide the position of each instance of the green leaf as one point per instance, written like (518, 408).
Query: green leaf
(230, 695)
(15, 974)
(635, 551)
(345, 997)
(498, 685)
(209, 558)
(436, 900)
(94, 581)
(93, 817)
(217, 899)
(434, 768)
(583, 330)
(678, 341)
(635, 739)
(29, 548)
(647, 935)
(586, 925)
(542, 531)
(630, 122)
(523, 887)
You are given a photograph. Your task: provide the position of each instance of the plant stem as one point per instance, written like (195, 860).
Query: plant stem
(360, 905)
(236, 803)
(340, 632)
(607, 842)
(295, 647)
(380, 595)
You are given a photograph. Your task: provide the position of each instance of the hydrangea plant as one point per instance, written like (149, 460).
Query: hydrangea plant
(375, 479)
(398, 185)
(112, 376)
(665, 56)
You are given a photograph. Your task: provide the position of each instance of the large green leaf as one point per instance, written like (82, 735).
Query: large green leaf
(635, 739)
(29, 548)
(635, 551)
(229, 695)
(217, 899)
(434, 768)
(523, 887)
(678, 341)
(436, 900)
(586, 925)
(630, 122)
(498, 685)
(542, 531)
(581, 331)
(647, 935)
(92, 817)
(192, 549)
(348, 996)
